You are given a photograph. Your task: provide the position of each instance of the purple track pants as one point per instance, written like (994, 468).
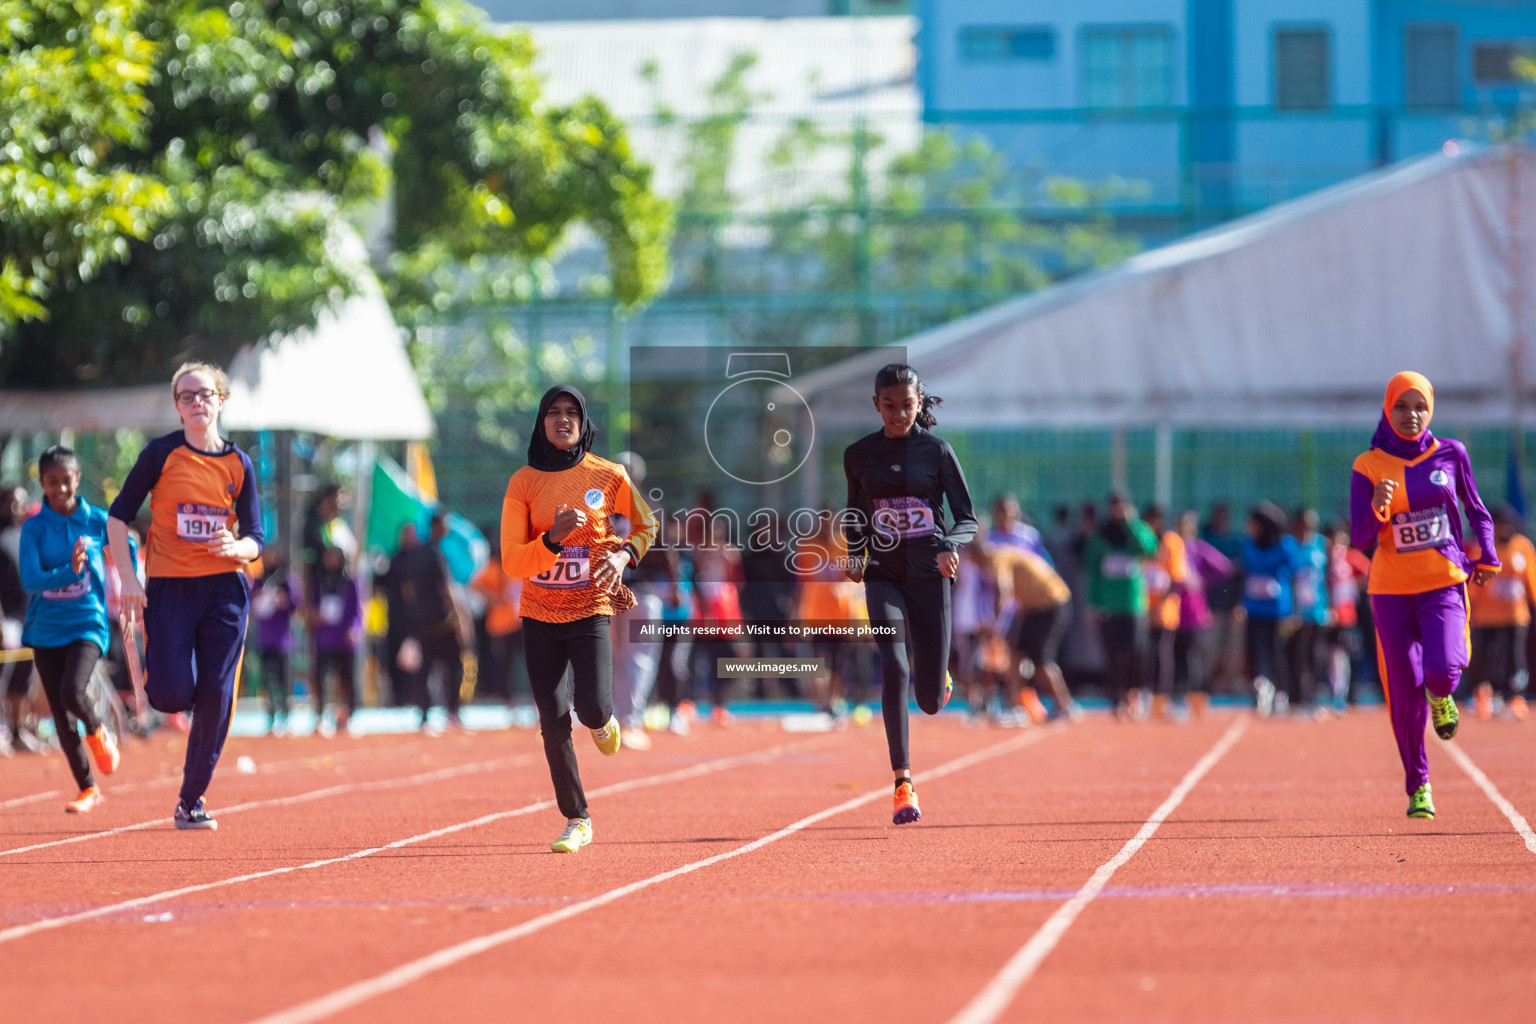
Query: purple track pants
(1421, 644)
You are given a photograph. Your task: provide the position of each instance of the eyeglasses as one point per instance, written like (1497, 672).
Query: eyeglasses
(204, 396)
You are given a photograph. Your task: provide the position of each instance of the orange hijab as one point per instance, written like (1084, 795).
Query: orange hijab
(1408, 381)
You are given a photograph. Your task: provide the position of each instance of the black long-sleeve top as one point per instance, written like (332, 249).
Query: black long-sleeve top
(899, 487)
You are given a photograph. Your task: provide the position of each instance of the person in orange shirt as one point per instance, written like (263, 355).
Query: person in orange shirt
(557, 535)
(1407, 495)
(206, 529)
(503, 624)
(1165, 574)
(1501, 615)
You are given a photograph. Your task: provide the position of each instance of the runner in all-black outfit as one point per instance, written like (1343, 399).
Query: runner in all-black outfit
(903, 546)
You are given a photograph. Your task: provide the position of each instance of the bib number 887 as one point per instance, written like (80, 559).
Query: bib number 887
(1418, 533)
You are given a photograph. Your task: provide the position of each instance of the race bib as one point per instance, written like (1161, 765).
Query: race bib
(903, 517)
(331, 606)
(1305, 587)
(1421, 531)
(199, 522)
(74, 592)
(1262, 588)
(1117, 565)
(573, 569)
(1510, 589)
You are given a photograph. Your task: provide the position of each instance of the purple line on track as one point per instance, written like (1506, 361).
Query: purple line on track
(185, 912)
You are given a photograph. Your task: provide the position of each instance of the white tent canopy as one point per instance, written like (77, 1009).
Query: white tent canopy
(349, 377)
(1297, 315)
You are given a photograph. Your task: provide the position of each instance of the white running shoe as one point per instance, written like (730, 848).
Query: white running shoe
(1264, 697)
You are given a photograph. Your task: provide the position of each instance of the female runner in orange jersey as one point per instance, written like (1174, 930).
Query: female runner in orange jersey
(556, 534)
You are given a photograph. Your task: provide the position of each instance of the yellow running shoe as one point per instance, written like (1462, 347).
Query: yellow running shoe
(607, 738)
(578, 833)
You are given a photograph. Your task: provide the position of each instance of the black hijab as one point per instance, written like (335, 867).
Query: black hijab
(544, 455)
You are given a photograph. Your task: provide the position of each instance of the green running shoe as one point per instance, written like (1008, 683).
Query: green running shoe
(1442, 711)
(1420, 805)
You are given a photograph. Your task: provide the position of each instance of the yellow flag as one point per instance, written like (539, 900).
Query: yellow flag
(418, 465)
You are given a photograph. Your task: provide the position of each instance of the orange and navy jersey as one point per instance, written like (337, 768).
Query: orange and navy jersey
(1165, 574)
(501, 593)
(559, 585)
(1419, 544)
(1506, 599)
(191, 494)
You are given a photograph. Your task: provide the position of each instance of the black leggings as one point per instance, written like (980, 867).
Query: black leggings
(1304, 657)
(924, 606)
(1265, 651)
(1125, 654)
(341, 665)
(1189, 654)
(274, 680)
(548, 648)
(65, 672)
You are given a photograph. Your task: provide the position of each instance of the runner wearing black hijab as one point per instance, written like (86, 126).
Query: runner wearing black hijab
(904, 548)
(556, 534)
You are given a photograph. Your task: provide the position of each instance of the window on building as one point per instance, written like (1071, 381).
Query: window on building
(1302, 80)
(1127, 66)
(1493, 62)
(1007, 42)
(1429, 66)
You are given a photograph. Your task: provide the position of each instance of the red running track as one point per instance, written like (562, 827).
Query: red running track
(1284, 885)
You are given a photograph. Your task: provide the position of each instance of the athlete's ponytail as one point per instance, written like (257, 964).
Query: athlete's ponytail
(895, 375)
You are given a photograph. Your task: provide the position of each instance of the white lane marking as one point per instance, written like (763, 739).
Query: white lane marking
(34, 798)
(1491, 792)
(988, 1004)
(370, 988)
(287, 801)
(21, 931)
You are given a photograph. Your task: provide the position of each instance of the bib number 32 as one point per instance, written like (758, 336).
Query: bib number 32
(903, 517)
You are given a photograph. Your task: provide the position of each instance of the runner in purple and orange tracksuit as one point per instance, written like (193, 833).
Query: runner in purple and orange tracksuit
(1407, 497)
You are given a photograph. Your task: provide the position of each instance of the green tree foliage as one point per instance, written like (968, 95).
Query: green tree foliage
(246, 127)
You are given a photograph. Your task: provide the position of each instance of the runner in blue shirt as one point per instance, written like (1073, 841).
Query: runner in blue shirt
(66, 624)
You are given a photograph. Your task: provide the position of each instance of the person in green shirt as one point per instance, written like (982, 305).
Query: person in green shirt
(1117, 600)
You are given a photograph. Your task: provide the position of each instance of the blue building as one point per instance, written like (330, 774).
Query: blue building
(1209, 108)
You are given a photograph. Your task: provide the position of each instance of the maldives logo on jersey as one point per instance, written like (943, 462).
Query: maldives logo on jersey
(594, 499)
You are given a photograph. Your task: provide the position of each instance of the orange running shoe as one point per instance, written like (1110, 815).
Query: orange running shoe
(104, 750)
(949, 689)
(1483, 702)
(1029, 700)
(86, 802)
(721, 715)
(906, 810)
(1518, 708)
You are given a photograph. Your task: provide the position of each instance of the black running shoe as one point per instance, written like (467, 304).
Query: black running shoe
(197, 817)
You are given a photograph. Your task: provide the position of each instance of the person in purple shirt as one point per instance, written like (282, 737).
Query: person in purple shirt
(273, 605)
(1010, 530)
(1191, 642)
(338, 629)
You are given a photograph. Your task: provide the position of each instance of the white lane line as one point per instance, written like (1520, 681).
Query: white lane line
(708, 767)
(1491, 792)
(298, 798)
(34, 798)
(405, 974)
(992, 1000)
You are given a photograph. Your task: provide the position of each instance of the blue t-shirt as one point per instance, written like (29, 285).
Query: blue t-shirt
(1267, 587)
(1310, 584)
(63, 606)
